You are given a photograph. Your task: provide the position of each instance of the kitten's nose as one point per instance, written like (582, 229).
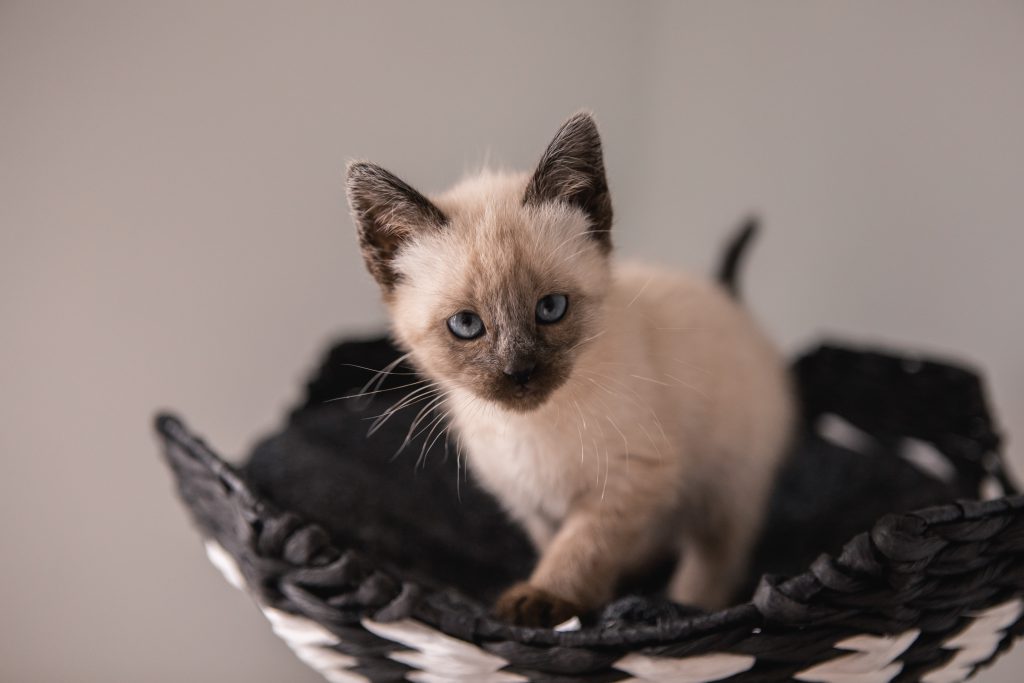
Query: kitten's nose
(520, 372)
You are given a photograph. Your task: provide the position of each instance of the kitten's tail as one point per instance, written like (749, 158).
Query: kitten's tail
(728, 269)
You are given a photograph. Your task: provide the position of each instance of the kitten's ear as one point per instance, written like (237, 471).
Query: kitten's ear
(387, 211)
(572, 171)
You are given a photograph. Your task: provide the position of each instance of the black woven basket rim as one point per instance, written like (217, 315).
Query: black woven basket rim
(251, 505)
(778, 604)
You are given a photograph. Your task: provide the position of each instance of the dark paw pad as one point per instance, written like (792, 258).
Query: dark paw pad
(526, 605)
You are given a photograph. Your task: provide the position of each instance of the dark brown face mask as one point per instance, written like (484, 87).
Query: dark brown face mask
(522, 352)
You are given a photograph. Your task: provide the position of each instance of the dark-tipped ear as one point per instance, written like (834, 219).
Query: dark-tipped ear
(572, 171)
(387, 211)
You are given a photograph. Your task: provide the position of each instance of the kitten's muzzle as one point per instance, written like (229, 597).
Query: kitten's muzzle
(523, 386)
(520, 372)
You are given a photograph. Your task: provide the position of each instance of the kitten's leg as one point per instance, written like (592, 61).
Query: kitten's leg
(579, 569)
(539, 530)
(706, 577)
(713, 564)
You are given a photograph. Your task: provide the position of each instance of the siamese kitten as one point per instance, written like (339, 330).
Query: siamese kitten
(621, 413)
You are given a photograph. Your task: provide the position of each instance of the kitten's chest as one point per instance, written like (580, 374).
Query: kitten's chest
(530, 468)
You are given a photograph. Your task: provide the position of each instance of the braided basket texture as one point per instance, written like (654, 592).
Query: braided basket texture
(927, 595)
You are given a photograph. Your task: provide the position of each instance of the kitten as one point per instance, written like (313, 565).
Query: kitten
(620, 413)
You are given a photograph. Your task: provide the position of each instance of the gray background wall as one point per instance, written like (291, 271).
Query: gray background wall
(173, 234)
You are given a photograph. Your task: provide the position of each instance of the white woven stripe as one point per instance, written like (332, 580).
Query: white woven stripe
(697, 669)
(298, 631)
(882, 675)
(573, 624)
(437, 653)
(343, 676)
(995, 619)
(324, 659)
(873, 660)
(496, 677)
(312, 644)
(976, 643)
(308, 640)
(440, 658)
(223, 561)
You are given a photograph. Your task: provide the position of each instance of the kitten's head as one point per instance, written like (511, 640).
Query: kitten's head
(495, 286)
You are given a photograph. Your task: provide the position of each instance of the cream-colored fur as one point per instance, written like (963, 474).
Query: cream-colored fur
(667, 433)
(660, 411)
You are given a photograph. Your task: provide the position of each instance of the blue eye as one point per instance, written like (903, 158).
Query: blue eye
(466, 325)
(552, 308)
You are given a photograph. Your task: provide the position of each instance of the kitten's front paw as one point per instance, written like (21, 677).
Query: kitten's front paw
(526, 605)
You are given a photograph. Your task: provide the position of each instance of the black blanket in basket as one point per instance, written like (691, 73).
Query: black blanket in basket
(417, 510)
(333, 526)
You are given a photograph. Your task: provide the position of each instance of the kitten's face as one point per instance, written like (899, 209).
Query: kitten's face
(499, 303)
(495, 286)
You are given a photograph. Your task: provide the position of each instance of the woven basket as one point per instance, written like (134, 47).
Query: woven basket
(379, 568)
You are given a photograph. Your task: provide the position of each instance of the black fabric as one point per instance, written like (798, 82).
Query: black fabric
(420, 515)
(409, 517)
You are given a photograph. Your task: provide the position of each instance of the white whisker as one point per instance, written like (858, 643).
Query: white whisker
(635, 401)
(379, 391)
(385, 371)
(642, 290)
(427, 443)
(649, 379)
(588, 339)
(574, 254)
(374, 370)
(424, 411)
(690, 365)
(412, 398)
(583, 419)
(685, 384)
(557, 249)
(651, 439)
(443, 430)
